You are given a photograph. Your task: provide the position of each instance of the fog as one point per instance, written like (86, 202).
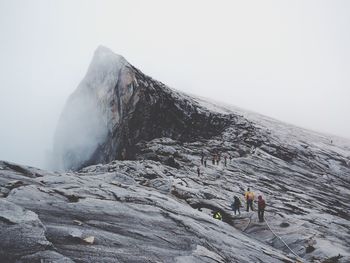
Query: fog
(286, 59)
(85, 121)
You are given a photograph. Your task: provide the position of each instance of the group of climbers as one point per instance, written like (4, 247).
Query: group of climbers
(249, 197)
(216, 159)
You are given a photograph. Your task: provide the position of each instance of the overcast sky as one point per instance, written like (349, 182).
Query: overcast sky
(285, 59)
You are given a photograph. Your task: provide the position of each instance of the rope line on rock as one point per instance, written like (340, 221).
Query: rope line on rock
(250, 220)
(295, 254)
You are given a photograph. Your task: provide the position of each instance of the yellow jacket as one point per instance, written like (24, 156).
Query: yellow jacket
(249, 195)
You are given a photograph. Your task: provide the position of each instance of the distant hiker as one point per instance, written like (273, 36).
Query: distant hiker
(249, 197)
(252, 150)
(205, 162)
(202, 158)
(217, 215)
(261, 208)
(230, 158)
(123, 154)
(217, 159)
(213, 160)
(236, 205)
(198, 171)
(225, 160)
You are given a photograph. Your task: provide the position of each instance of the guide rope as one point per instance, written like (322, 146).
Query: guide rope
(295, 254)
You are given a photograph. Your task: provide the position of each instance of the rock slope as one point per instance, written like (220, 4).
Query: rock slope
(116, 106)
(133, 193)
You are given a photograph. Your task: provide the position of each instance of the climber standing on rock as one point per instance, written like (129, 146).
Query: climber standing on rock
(236, 205)
(261, 208)
(225, 160)
(249, 197)
(198, 171)
(202, 158)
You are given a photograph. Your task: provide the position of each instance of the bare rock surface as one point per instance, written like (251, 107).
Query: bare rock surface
(146, 211)
(130, 191)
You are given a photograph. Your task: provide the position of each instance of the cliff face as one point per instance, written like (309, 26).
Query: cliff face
(155, 206)
(116, 106)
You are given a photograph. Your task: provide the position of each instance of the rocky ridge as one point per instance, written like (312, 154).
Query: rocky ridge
(135, 195)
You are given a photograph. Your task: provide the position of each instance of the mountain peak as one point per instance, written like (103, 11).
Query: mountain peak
(103, 51)
(105, 65)
(116, 106)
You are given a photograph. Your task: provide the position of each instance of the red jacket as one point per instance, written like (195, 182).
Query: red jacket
(261, 204)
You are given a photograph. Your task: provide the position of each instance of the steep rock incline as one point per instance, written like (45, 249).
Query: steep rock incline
(116, 106)
(151, 205)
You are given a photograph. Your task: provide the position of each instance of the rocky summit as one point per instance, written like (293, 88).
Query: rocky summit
(138, 170)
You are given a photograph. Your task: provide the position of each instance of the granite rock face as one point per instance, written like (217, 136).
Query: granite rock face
(116, 106)
(131, 148)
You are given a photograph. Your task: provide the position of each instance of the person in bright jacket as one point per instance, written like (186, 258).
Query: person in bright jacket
(217, 215)
(249, 197)
(261, 208)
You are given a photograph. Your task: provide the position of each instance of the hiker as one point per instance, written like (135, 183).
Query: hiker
(202, 158)
(217, 215)
(198, 171)
(205, 161)
(236, 205)
(261, 208)
(225, 158)
(252, 150)
(123, 154)
(213, 160)
(249, 197)
(230, 158)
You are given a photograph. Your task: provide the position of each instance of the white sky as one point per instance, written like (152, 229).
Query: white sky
(285, 59)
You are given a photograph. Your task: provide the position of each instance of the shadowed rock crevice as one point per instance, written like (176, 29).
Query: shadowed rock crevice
(157, 113)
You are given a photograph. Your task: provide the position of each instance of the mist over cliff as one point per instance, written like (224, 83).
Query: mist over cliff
(143, 167)
(116, 106)
(85, 120)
